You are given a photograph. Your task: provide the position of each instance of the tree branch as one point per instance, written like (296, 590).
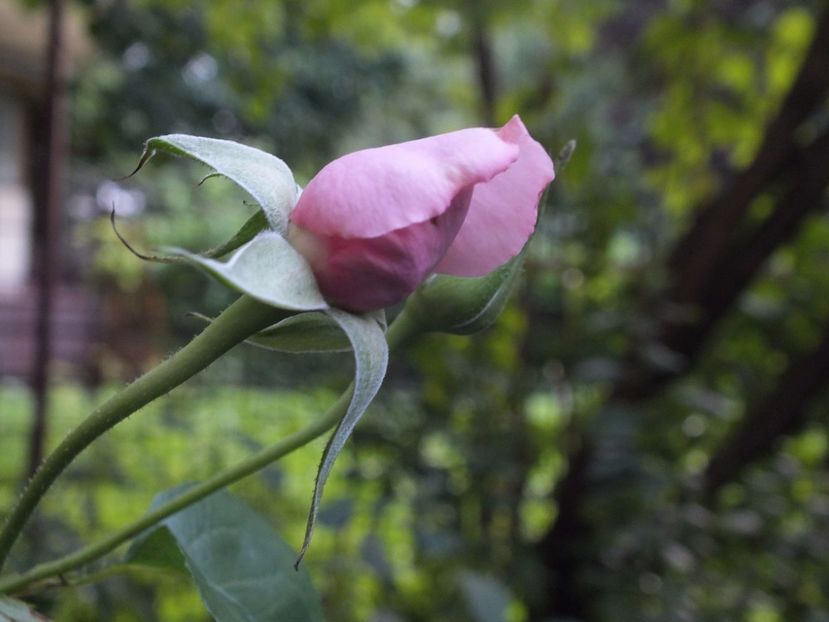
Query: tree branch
(740, 262)
(700, 249)
(781, 413)
(709, 267)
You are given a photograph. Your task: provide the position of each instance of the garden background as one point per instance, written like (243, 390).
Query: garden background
(640, 437)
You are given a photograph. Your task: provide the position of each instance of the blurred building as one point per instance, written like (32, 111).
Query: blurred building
(23, 52)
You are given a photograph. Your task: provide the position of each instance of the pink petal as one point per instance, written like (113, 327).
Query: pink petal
(503, 211)
(371, 273)
(372, 192)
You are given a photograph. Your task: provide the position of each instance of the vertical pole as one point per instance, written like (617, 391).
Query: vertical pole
(47, 240)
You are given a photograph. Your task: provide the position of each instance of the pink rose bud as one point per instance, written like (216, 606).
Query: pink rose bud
(374, 224)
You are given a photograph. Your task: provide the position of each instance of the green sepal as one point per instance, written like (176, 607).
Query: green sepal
(463, 305)
(263, 176)
(304, 333)
(371, 356)
(252, 227)
(268, 269)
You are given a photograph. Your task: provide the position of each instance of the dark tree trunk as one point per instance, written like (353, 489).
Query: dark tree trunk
(710, 266)
(47, 231)
(741, 259)
(781, 413)
(484, 62)
(561, 551)
(701, 248)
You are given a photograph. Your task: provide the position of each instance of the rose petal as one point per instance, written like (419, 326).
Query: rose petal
(369, 193)
(366, 274)
(503, 211)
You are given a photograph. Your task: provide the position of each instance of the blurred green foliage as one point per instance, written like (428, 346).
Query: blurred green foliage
(445, 496)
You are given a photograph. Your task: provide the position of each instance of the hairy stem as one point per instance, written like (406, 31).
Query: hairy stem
(239, 321)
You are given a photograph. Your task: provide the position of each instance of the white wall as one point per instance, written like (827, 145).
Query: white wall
(15, 201)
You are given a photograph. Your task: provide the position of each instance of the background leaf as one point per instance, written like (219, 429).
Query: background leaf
(486, 598)
(305, 333)
(262, 175)
(241, 566)
(156, 548)
(253, 226)
(12, 610)
(268, 269)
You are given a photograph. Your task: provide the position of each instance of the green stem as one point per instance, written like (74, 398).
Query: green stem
(401, 331)
(221, 479)
(239, 321)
